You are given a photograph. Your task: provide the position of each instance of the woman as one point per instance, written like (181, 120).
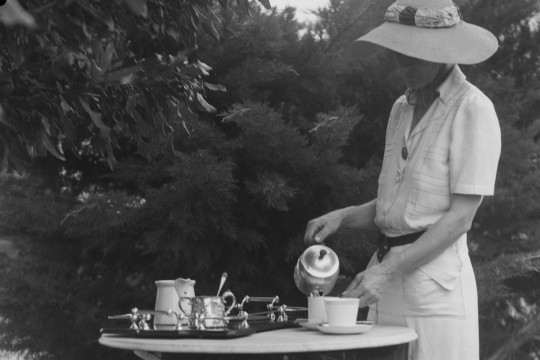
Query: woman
(441, 153)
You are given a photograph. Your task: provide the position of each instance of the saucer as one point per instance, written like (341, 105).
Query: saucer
(305, 323)
(359, 328)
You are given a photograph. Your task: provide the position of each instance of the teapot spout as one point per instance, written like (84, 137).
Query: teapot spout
(185, 287)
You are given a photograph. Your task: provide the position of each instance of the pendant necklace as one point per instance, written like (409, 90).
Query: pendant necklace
(404, 153)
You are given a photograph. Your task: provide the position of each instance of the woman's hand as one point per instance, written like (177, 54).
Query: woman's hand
(353, 217)
(368, 285)
(320, 228)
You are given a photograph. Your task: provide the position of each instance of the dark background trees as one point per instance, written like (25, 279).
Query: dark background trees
(126, 161)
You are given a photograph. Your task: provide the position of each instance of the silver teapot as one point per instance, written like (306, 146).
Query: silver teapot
(317, 270)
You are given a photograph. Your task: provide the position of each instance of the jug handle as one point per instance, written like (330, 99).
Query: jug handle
(227, 294)
(180, 300)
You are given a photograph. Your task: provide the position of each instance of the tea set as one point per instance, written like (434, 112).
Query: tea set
(178, 309)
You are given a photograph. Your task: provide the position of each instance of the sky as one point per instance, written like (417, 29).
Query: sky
(303, 7)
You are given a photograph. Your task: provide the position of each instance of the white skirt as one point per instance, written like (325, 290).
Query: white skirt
(446, 320)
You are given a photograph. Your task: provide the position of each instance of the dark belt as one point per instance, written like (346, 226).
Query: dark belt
(384, 243)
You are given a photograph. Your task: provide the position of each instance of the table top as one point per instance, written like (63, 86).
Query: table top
(289, 340)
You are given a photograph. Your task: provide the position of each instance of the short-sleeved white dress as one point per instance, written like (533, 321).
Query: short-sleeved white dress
(454, 148)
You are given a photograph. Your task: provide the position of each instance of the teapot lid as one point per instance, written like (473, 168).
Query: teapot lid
(320, 261)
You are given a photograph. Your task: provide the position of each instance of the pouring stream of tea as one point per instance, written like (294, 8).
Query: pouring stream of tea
(223, 278)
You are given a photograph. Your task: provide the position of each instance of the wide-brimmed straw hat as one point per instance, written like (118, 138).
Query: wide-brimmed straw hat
(430, 30)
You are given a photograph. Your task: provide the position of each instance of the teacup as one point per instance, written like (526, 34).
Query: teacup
(208, 312)
(341, 312)
(316, 309)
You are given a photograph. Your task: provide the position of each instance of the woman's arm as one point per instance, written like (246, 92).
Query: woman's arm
(457, 221)
(357, 217)
(369, 284)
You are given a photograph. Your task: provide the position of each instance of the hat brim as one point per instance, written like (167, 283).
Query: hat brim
(463, 43)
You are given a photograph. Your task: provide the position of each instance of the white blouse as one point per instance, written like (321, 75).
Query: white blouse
(454, 149)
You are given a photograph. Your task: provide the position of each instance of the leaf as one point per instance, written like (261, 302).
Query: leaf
(46, 141)
(106, 57)
(105, 131)
(46, 125)
(131, 103)
(193, 16)
(124, 76)
(215, 87)
(183, 111)
(237, 112)
(138, 7)
(68, 129)
(209, 28)
(97, 49)
(12, 13)
(111, 159)
(203, 67)
(3, 119)
(182, 56)
(95, 71)
(266, 4)
(204, 106)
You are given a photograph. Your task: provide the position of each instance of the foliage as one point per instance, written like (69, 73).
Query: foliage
(504, 246)
(236, 210)
(297, 75)
(509, 306)
(88, 84)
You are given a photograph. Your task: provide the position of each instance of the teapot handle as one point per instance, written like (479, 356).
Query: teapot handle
(227, 294)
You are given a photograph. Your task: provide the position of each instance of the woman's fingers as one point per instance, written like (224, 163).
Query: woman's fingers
(354, 290)
(366, 300)
(367, 286)
(320, 228)
(310, 233)
(315, 232)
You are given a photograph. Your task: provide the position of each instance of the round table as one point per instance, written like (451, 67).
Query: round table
(391, 339)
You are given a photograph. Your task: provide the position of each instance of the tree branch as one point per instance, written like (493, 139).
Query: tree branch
(526, 333)
(348, 27)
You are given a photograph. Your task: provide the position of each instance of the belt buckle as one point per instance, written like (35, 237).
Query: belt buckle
(383, 246)
(383, 242)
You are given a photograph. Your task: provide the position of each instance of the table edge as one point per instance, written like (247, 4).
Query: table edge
(407, 336)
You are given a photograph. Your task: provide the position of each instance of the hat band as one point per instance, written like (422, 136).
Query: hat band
(423, 17)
